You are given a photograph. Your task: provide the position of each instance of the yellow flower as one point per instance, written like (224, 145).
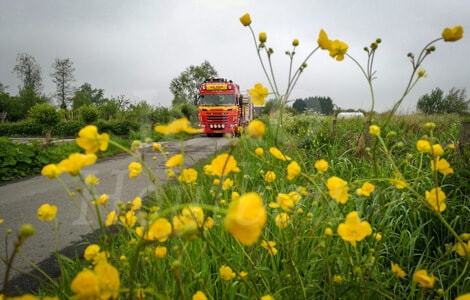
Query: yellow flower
(235, 196)
(338, 49)
(246, 218)
(216, 181)
(101, 200)
(437, 150)
(1, 221)
(278, 154)
(338, 189)
(436, 198)
(175, 161)
(328, 231)
(353, 229)
(377, 236)
(223, 164)
(323, 41)
(452, 34)
(255, 129)
(128, 219)
(281, 220)
(76, 161)
(181, 125)
(270, 246)
(109, 280)
(157, 147)
(159, 230)
(161, 251)
(135, 169)
(423, 146)
(193, 214)
(188, 175)
(422, 73)
(226, 273)
(267, 297)
(199, 295)
(243, 275)
(228, 183)
(258, 94)
(262, 37)
(286, 201)
(270, 176)
(337, 278)
(92, 180)
(295, 42)
(463, 249)
(91, 251)
(259, 151)
(91, 141)
(374, 130)
(423, 279)
(47, 212)
(136, 204)
(398, 181)
(293, 170)
(321, 165)
(463, 297)
(397, 270)
(51, 171)
(442, 166)
(111, 219)
(245, 19)
(86, 285)
(366, 189)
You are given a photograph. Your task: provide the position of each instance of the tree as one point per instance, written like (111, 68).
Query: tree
(46, 117)
(185, 87)
(299, 105)
(87, 95)
(436, 103)
(3, 88)
(62, 76)
(29, 72)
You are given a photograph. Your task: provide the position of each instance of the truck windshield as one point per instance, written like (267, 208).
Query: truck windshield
(216, 100)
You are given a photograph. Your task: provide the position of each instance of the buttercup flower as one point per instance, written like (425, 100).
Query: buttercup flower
(258, 94)
(374, 130)
(188, 176)
(223, 164)
(199, 295)
(157, 147)
(128, 219)
(75, 162)
(109, 280)
(256, 129)
(366, 189)
(226, 273)
(423, 146)
(463, 297)
(337, 278)
(462, 249)
(92, 180)
(270, 176)
(442, 166)
(134, 169)
(259, 151)
(267, 297)
(159, 230)
(51, 171)
(321, 165)
(91, 141)
(246, 218)
(397, 270)
(338, 49)
(228, 183)
(262, 37)
(295, 42)
(175, 161)
(281, 220)
(278, 154)
(436, 198)
(101, 200)
(353, 229)
(423, 279)
(47, 212)
(293, 170)
(111, 219)
(286, 201)
(452, 34)
(437, 150)
(181, 125)
(245, 19)
(338, 189)
(398, 181)
(161, 251)
(91, 251)
(86, 285)
(323, 41)
(270, 246)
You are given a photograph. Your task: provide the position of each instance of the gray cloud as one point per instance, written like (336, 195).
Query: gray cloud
(135, 48)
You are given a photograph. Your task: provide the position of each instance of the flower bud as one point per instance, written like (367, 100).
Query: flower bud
(295, 42)
(378, 40)
(262, 37)
(430, 126)
(245, 19)
(26, 231)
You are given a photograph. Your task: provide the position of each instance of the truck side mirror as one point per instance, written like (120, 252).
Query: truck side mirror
(240, 100)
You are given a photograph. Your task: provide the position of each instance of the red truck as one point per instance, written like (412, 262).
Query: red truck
(222, 109)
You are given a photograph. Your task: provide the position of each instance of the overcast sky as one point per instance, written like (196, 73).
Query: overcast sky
(135, 48)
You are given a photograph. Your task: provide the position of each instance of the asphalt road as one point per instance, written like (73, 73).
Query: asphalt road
(20, 200)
